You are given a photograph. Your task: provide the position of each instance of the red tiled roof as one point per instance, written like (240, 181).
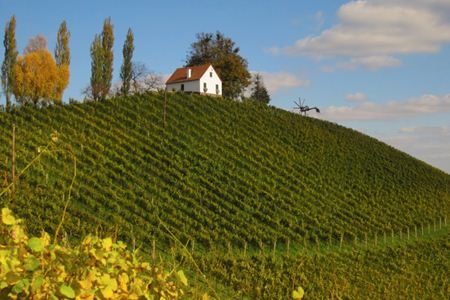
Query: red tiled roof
(180, 74)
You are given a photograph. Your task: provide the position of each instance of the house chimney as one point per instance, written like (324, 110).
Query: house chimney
(188, 73)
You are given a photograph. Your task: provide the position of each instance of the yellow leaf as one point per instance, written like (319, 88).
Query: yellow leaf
(105, 279)
(182, 278)
(205, 296)
(123, 281)
(85, 284)
(107, 292)
(18, 234)
(107, 244)
(298, 294)
(8, 218)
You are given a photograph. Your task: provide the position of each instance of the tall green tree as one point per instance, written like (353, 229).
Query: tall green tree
(102, 62)
(222, 53)
(9, 61)
(62, 50)
(96, 68)
(259, 91)
(108, 57)
(126, 72)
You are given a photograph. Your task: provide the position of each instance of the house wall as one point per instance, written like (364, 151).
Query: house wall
(211, 82)
(189, 86)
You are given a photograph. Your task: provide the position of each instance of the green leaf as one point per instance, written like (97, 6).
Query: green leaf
(37, 283)
(31, 263)
(35, 244)
(21, 286)
(67, 291)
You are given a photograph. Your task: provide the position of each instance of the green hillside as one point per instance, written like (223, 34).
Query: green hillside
(221, 173)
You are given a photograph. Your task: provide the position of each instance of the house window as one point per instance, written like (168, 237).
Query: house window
(182, 87)
(205, 88)
(210, 74)
(217, 89)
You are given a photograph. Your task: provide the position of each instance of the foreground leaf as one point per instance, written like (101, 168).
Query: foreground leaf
(67, 291)
(36, 244)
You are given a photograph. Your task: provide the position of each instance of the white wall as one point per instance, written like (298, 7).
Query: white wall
(211, 82)
(189, 86)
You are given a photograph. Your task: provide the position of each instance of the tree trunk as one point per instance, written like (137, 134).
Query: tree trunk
(8, 101)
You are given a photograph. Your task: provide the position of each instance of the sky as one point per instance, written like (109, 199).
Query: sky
(381, 67)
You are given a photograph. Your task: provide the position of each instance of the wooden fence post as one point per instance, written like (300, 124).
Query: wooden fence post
(153, 250)
(245, 248)
(165, 108)
(288, 246)
(408, 232)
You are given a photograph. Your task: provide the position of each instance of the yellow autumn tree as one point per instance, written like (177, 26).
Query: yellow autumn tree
(38, 79)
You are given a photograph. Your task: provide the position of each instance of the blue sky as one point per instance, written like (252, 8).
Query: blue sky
(379, 66)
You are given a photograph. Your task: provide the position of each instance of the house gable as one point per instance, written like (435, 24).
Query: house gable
(211, 81)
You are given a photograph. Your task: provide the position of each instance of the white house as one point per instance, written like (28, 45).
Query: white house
(197, 79)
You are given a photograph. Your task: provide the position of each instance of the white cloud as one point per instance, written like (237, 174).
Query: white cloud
(356, 97)
(369, 62)
(365, 111)
(430, 144)
(276, 81)
(370, 32)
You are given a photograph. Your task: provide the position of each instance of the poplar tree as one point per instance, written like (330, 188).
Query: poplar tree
(62, 50)
(126, 72)
(107, 41)
(102, 62)
(96, 68)
(10, 58)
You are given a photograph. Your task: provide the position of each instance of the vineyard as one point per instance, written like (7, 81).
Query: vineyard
(221, 174)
